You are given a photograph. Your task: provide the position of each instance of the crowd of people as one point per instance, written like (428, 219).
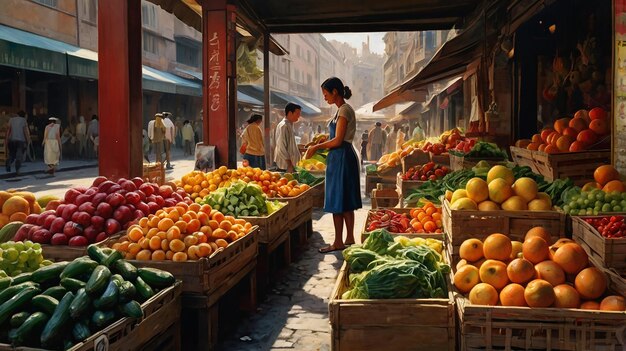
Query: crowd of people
(379, 141)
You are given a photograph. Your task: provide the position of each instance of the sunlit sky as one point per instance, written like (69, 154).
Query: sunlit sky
(355, 39)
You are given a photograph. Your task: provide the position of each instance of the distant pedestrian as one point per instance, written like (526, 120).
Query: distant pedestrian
(156, 133)
(145, 145)
(18, 138)
(93, 131)
(81, 135)
(364, 137)
(179, 133)
(376, 141)
(390, 145)
(252, 143)
(187, 137)
(170, 134)
(418, 133)
(52, 144)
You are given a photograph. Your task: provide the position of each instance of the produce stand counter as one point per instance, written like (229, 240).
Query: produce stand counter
(300, 216)
(365, 233)
(610, 252)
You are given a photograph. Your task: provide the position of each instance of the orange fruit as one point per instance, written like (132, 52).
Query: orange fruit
(177, 245)
(494, 273)
(550, 272)
(471, 250)
(169, 254)
(219, 233)
(590, 305)
(566, 296)
(535, 249)
(430, 227)
(483, 294)
(613, 303)
(540, 232)
(600, 127)
(158, 255)
(144, 255)
(571, 257)
(218, 216)
(563, 143)
(165, 224)
(179, 257)
(539, 293)
(204, 250)
(513, 295)
(221, 243)
(613, 185)
(15, 204)
(18, 216)
(477, 189)
(591, 283)
(604, 174)
(561, 124)
(192, 252)
(193, 226)
(520, 271)
(497, 247)
(578, 124)
(135, 233)
(466, 278)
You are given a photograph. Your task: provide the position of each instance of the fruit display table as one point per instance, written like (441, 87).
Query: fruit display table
(610, 252)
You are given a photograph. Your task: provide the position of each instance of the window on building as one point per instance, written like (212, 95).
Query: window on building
(150, 43)
(90, 10)
(149, 15)
(188, 53)
(51, 3)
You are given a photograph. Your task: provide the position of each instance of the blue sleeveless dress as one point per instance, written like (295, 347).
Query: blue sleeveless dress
(343, 185)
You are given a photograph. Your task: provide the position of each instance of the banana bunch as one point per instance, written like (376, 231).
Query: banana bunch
(317, 139)
(312, 165)
(434, 244)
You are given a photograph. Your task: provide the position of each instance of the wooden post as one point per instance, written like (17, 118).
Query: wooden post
(266, 100)
(218, 55)
(119, 88)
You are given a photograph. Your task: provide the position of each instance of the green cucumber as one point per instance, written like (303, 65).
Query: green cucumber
(80, 331)
(56, 291)
(107, 251)
(109, 297)
(45, 303)
(96, 254)
(72, 284)
(49, 274)
(126, 270)
(15, 303)
(156, 277)
(18, 318)
(132, 309)
(22, 278)
(127, 291)
(144, 290)
(101, 319)
(9, 292)
(29, 328)
(80, 304)
(5, 282)
(118, 279)
(59, 318)
(112, 258)
(98, 280)
(79, 267)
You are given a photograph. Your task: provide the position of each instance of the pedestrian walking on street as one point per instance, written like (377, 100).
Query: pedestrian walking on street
(187, 135)
(145, 145)
(93, 131)
(18, 137)
(343, 188)
(364, 137)
(252, 143)
(392, 139)
(170, 135)
(287, 153)
(156, 133)
(81, 135)
(376, 141)
(52, 144)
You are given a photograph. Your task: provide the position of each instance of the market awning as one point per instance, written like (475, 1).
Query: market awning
(367, 113)
(397, 96)
(280, 99)
(307, 108)
(156, 80)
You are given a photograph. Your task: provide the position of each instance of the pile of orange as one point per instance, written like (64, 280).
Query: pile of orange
(532, 274)
(180, 233)
(426, 219)
(199, 184)
(16, 206)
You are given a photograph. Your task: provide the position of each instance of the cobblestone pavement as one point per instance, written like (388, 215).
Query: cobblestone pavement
(294, 316)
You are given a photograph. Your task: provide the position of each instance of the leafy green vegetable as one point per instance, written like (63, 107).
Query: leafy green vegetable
(305, 177)
(241, 199)
(378, 241)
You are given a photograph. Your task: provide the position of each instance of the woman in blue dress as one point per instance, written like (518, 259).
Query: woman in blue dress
(343, 188)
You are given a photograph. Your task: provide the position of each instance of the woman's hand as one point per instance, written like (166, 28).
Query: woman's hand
(310, 151)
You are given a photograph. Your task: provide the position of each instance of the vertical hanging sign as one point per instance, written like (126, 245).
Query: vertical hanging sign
(619, 86)
(215, 84)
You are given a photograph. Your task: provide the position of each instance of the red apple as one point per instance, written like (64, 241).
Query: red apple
(160, 201)
(98, 198)
(115, 200)
(59, 239)
(141, 194)
(72, 229)
(170, 202)
(97, 222)
(68, 211)
(177, 197)
(105, 186)
(91, 191)
(83, 198)
(57, 225)
(60, 209)
(53, 205)
(138, 214)
(99, 180)
(138, 181)
(132, 198)
(147, 189)
(71, 195)
(32, 231)
(143, 207)
(78, 241)
(153, 207)
(101, 237)
(32, 218)
(22, 233)
(114, 188)
(87, 207)
(122, 214)
(112, 226)
(47, 223)
(151, 198)
(84, 219)
(104, 210)
(42, 236)
(166, 190)
(128, 185)
(91, 233)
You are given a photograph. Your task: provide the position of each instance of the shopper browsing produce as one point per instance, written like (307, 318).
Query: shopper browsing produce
(343, 188)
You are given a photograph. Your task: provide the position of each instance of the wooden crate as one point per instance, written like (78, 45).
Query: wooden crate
(372, 180)
(462, 225)
(207, 275)
(611, 253)
(154, 172)
(161, 312)
(523, 157)
(385, 198)
(404, 186)
(297, 204)
(269, 254)
(415, 158)
(577, 166)
(272, 226)
(406, 211)
(524, 328)
(318, 194)
(57, 253)
(390, 325)
(458, 163)
(443, 159)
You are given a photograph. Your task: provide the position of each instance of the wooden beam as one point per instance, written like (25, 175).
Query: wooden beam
(119, 88)
(266, 100)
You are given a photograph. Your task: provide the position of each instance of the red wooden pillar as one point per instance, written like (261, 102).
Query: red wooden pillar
(219, 79)
(119, 88)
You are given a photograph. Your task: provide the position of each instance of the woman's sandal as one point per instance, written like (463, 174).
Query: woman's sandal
(329, 248)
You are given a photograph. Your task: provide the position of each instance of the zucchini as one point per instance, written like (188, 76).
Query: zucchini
(80, 331)
(22, 278)
(59, 318)
(18, 318)
(107, 251)
(79, 267)
(5, 282)
(132, 309)
(101, 319)
(156, 277)
(56, 291)
(72, 284)
(80, 304)
(15, 303)
(9, 292)
(126, 270)
(45, 304)
(31, 325)
(112, 258)
(49, 274)
(109, 297)
(127, 291)
(96, 254)
(144, 290)
(117, 279)
(98, 280)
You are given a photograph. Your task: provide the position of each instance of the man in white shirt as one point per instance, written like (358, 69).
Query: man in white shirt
(287, 154)
(170, 134)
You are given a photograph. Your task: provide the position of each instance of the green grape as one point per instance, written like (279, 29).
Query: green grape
(16, 272)
(566, 208)
(12, 254)
(574, 212)
(598, 204)
(19, 246)
(37, 246)
(614, 203)
(3, 274)
(606, 208)
(28, 244)
(583, 196)
(4, 246)
(595, 212)
(617, 208)
(600, 196)
(23, 257)
(46, 262)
